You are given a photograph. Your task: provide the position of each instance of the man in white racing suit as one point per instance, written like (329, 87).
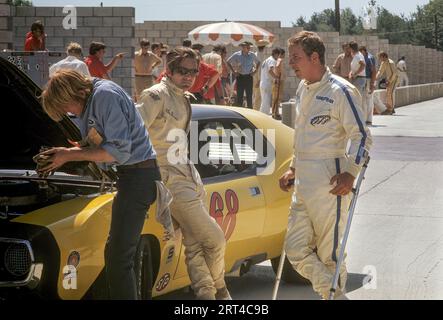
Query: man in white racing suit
(166, 112)
(328, 114)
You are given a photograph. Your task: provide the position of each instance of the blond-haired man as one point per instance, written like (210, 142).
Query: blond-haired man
(389, 71)
(113, 134)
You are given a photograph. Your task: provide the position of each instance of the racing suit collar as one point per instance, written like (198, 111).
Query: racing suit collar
(168, 82)
(324, 79)
(171, 85)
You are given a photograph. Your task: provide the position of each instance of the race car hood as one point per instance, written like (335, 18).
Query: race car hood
(25, 127)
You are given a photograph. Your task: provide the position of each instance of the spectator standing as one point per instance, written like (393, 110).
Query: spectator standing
(73, 61)
(206, 78)
(160, 50)
(267, 78)
(342, 65)
(403, 79)
(245, 64)
(368, 96)
(261, 57)
(278, 86)
(144, 62)
(36, 38)
(389, 71)
(357, 75)
(215, 60)
(95, 63)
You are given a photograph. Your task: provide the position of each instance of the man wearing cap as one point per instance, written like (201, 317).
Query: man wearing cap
(245, 63)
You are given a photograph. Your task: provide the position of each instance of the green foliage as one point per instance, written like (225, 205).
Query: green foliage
(20, 3)
(418, 29)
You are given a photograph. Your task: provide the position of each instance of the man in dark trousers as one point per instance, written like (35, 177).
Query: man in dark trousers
(113, 134)
(245, 64)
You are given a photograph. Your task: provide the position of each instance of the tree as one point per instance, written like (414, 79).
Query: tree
(20, 3)
(393, 27)
(423, 27)
(325, 22)
(350, 24)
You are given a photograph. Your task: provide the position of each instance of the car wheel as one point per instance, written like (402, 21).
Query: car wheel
(143, 269)
(289, 275)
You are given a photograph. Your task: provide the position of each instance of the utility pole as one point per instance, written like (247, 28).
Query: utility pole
(436, 30)
(337, 16)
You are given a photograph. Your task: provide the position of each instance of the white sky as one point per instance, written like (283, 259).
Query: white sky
(286, 11)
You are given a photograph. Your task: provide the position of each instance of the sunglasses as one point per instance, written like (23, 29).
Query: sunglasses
(186, 72)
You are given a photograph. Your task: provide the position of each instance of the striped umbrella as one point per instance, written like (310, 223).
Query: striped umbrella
(230, 33)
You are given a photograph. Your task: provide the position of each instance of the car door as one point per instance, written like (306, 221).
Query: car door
(227, 164)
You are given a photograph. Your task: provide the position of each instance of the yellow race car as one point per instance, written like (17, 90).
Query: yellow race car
(53, 230)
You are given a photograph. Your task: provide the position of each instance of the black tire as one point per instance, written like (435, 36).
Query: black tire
(289, 275)
(143, 268)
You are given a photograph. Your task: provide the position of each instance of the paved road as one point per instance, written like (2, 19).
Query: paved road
(397, 231)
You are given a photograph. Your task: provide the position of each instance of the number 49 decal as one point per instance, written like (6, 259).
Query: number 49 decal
(216, 209)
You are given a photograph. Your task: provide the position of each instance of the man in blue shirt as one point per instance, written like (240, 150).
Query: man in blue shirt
(113, 134)
(245, 64)
(371, 73)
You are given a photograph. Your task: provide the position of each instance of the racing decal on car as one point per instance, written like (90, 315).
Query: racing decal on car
(170, 255)
(216, 208)
(163, 282)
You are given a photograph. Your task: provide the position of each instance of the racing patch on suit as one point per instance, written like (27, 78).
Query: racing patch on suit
(325, 99)
(155, 96)
(320, 120)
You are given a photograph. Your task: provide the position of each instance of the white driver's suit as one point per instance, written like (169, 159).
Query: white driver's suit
(166, 112)
(328, 115)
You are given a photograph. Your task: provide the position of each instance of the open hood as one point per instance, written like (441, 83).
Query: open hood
(25, 127)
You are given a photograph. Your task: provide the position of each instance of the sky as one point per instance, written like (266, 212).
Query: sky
(286, 11)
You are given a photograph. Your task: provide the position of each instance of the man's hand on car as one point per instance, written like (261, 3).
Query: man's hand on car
(286, 180)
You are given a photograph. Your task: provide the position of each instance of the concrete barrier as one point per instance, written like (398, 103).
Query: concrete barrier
(403, 96)
(418, 93)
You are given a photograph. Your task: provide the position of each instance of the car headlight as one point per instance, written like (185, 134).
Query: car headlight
(17, 259)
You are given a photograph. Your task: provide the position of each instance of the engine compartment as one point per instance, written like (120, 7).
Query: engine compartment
(21, 196)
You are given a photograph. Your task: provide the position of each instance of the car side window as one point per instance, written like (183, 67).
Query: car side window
(227, 147)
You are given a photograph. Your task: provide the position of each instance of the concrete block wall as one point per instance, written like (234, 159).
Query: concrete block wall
(6, 34)
(424, 65)
(114, 26)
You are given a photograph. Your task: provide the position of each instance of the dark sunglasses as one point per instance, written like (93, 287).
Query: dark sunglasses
(186, 72)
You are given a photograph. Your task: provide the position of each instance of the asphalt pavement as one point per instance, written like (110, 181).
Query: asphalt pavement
(396, 238)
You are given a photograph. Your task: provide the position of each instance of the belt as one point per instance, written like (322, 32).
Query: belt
(150, 163)
(244, 75)
(144, 75)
